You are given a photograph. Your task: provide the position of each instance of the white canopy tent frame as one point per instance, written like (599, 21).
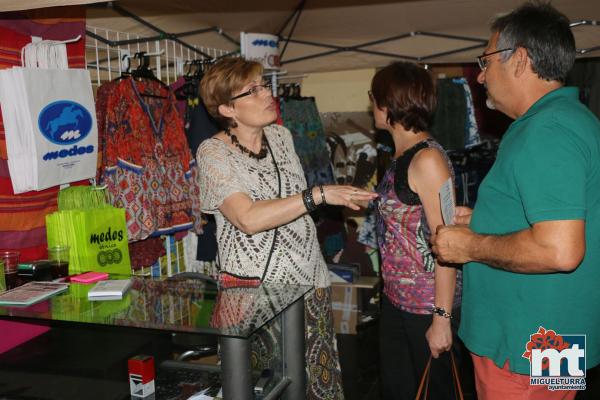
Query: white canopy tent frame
(325, 35)
(333, 49)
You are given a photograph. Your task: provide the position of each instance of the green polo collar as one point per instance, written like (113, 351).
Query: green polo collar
(567, 92)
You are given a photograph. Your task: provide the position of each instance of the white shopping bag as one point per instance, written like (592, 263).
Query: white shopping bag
(59, 120)
(19, 139)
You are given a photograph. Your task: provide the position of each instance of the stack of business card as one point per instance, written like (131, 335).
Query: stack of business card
(109, 289)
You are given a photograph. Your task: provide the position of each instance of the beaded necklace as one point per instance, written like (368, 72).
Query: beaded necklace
(263, 146)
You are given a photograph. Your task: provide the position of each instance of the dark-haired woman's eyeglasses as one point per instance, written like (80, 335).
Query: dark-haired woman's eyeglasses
(254, 90)
(482, 59)
(371, 96)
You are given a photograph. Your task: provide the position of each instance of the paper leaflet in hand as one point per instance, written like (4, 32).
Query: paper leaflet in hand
(447, 202)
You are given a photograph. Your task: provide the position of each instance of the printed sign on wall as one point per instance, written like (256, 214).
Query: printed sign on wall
(261, 47)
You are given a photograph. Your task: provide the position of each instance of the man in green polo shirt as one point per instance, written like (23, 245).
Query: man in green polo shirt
(532, 246)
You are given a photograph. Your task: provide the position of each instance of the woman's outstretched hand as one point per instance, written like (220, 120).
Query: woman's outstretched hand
(343, 195)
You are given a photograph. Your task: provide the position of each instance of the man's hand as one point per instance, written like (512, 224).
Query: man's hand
(462, 215)
(439, 336)
(453, 244)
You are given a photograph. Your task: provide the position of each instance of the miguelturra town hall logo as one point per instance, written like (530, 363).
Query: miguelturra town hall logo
(556, 360)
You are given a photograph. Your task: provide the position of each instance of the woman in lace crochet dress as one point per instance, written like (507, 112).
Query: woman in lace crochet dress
(252, 180)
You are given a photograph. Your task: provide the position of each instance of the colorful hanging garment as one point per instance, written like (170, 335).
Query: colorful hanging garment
(471, 129)
(301, 117)
(450, 117)
(146, 161)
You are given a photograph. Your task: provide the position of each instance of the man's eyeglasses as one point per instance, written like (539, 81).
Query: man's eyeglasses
(482, 59)
(254, 90)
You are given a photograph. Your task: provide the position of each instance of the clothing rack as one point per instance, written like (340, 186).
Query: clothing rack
(175, 37)
(108, 51)
(142, 57)
(75, 39)
(289, 90)
(196, 68)
(108, 45)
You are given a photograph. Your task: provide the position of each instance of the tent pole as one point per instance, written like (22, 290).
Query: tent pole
(588, 50)
(287, 21)
(447, 36)
(195, 32)
(298, 13)
(584, 22)
(316, 44)
(170, 36)
(385, 54)
(348, 49)
(389, 39)
(445, 53)
(357, 48)
(156, 29)
(326, 53)
(99, 38)
(226, 36)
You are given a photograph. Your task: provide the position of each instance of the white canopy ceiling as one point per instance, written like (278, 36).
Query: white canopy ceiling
(18, 5)
(337, 23)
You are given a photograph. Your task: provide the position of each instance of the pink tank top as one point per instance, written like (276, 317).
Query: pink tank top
(407, 262)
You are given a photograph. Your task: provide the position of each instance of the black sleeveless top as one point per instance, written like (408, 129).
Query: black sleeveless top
(401, 187)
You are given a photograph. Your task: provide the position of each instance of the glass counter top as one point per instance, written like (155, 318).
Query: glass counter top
(176, 305)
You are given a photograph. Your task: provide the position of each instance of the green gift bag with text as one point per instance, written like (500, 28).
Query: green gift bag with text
(106, 244)
(97, 238)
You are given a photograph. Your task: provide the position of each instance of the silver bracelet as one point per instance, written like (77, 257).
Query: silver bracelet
(322, 194)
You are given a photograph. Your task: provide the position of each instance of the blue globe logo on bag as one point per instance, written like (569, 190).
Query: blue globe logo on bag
(65, 122)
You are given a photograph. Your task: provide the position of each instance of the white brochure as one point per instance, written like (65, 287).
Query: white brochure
(447, 202)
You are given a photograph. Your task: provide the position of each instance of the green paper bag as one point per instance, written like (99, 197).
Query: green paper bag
(97, 238)
(105, 248)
